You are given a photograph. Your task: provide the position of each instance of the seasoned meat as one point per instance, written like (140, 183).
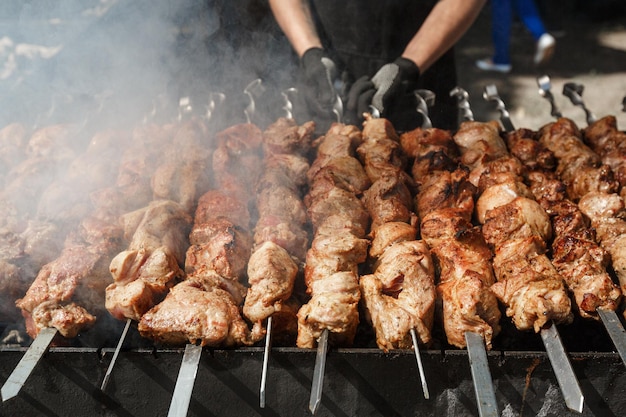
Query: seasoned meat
(197, 312)
(271, 275)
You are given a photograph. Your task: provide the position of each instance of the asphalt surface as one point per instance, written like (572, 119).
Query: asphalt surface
(590, 51)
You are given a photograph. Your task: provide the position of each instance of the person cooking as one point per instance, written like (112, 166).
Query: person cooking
(380, 51)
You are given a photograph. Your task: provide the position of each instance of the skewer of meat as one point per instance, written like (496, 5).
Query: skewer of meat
(340, 223)
(280, 236)
(205, 308)
(28, 237)
(575, 253)
(399, 294)
(157, 232)
(215, 263)
(445, 204)
(597, 198)
(69, 288)
(517, 228)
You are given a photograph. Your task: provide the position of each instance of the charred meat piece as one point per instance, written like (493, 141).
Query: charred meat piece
(579, 167)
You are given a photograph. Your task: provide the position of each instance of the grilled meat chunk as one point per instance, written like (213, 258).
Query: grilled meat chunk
(198, 311)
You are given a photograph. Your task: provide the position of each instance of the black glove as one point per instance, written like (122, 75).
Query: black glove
(359, 100)
(392, 81)
(319, 73)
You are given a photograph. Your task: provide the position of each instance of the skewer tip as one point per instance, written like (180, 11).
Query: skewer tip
(318, 372)
(9, 391)
(420, 366)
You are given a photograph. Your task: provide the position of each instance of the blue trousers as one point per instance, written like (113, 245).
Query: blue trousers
(502, 20)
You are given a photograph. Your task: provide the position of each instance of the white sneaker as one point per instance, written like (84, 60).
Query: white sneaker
(487, 64)
(545, 49)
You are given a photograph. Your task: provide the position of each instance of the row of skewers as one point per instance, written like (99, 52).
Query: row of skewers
(340, 218)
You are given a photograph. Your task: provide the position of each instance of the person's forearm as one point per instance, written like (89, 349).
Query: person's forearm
(444, 26)
(295, 19)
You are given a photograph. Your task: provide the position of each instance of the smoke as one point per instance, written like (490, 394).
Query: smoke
(63, 61)
(112, 60)
(98, 64)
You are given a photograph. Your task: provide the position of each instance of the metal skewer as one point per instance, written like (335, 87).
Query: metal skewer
(561, 366)
(252, 90)
(476, 349)
(318, 372)
(215, 99)
(29, 361)
(544, 90)
(338, 108)
(105, 381)
(288, 107)
(266, 357)
(462, 98)
(425, 99)
(491, 94)
(615, 330)
(420, 366)
(185, 108)
(185, 381)
(483, 384)
(574, 92)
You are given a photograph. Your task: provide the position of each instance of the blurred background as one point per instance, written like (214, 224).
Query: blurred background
(119, 61)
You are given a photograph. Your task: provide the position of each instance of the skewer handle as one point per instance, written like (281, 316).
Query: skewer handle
(491, 94)
(462, 98)
(483, 384)
(215, 99)
(425, 99)
(338, 108)
(318, 372)
(185, 381)
(29, 361)
(185, 108)
(562, 367)
(288, 107)
(574, 92)
(252, 90)
(544, 90)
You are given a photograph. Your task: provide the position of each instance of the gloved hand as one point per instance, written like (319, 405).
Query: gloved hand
(319, 73)
(359, 99)
(392, 81)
